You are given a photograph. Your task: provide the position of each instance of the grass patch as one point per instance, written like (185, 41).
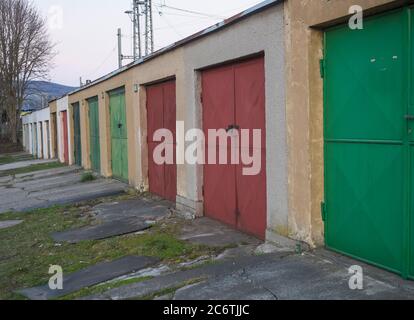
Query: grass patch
(32, 168)
(87, 177)
(27, 251)
(7, 159)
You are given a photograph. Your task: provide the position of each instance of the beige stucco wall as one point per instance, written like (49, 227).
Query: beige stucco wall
(304, 106)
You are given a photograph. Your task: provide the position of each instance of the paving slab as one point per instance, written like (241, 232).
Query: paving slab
(91, 276)
(9, 223)
(143, 208)
(23, 164)
(78, 189)
(213, 233)
(86, 194)
(102, 231)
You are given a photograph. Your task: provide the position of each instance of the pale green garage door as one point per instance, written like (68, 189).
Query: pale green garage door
(77, 134)
(95, 149)
(369, 158)
(119, 134)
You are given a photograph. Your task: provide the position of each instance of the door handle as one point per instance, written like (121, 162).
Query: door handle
(119, 125)
(409, 117)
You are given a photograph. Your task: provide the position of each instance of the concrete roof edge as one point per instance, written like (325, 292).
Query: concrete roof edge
(214, 28)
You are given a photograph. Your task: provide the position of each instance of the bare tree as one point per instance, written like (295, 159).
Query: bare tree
(25, 55)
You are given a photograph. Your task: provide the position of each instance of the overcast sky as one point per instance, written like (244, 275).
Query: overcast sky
(85, 30)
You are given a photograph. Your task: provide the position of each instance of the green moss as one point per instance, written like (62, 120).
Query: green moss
(87, 177)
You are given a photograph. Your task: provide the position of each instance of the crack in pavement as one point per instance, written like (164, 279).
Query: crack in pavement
(245, 276)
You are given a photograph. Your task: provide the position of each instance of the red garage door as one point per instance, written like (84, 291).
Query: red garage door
(234, 96)
(161, 114)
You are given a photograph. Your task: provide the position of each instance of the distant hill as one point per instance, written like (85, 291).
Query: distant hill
(40, 92)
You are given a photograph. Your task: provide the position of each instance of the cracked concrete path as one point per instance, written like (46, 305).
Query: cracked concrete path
(42, 189)
(310, 276)
(319, 275)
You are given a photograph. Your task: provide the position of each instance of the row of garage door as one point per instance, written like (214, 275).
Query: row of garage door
(40, 133)
(233, 95)
(369, 139)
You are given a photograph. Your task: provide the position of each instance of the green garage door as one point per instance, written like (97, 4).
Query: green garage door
(369, 143)
(95, 149)
(77, 134)
(119, 137)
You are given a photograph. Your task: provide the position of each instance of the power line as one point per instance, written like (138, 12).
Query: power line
(188, 16)
(171, 26)
(92, 73)
(190, 11)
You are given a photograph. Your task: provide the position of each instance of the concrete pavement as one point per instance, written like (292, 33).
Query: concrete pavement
(319, 275)
(42, 189)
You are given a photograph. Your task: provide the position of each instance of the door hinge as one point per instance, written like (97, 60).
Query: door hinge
(202, 191)
(322, 67)
(323, 211)
(201, 97)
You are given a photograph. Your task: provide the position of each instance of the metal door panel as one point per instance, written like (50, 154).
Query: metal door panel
(250, 115)
(366, 150)
(95, 150)
(77, 135)
(119, 135)
(170, 118)
(161, 114)
(218, 113)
